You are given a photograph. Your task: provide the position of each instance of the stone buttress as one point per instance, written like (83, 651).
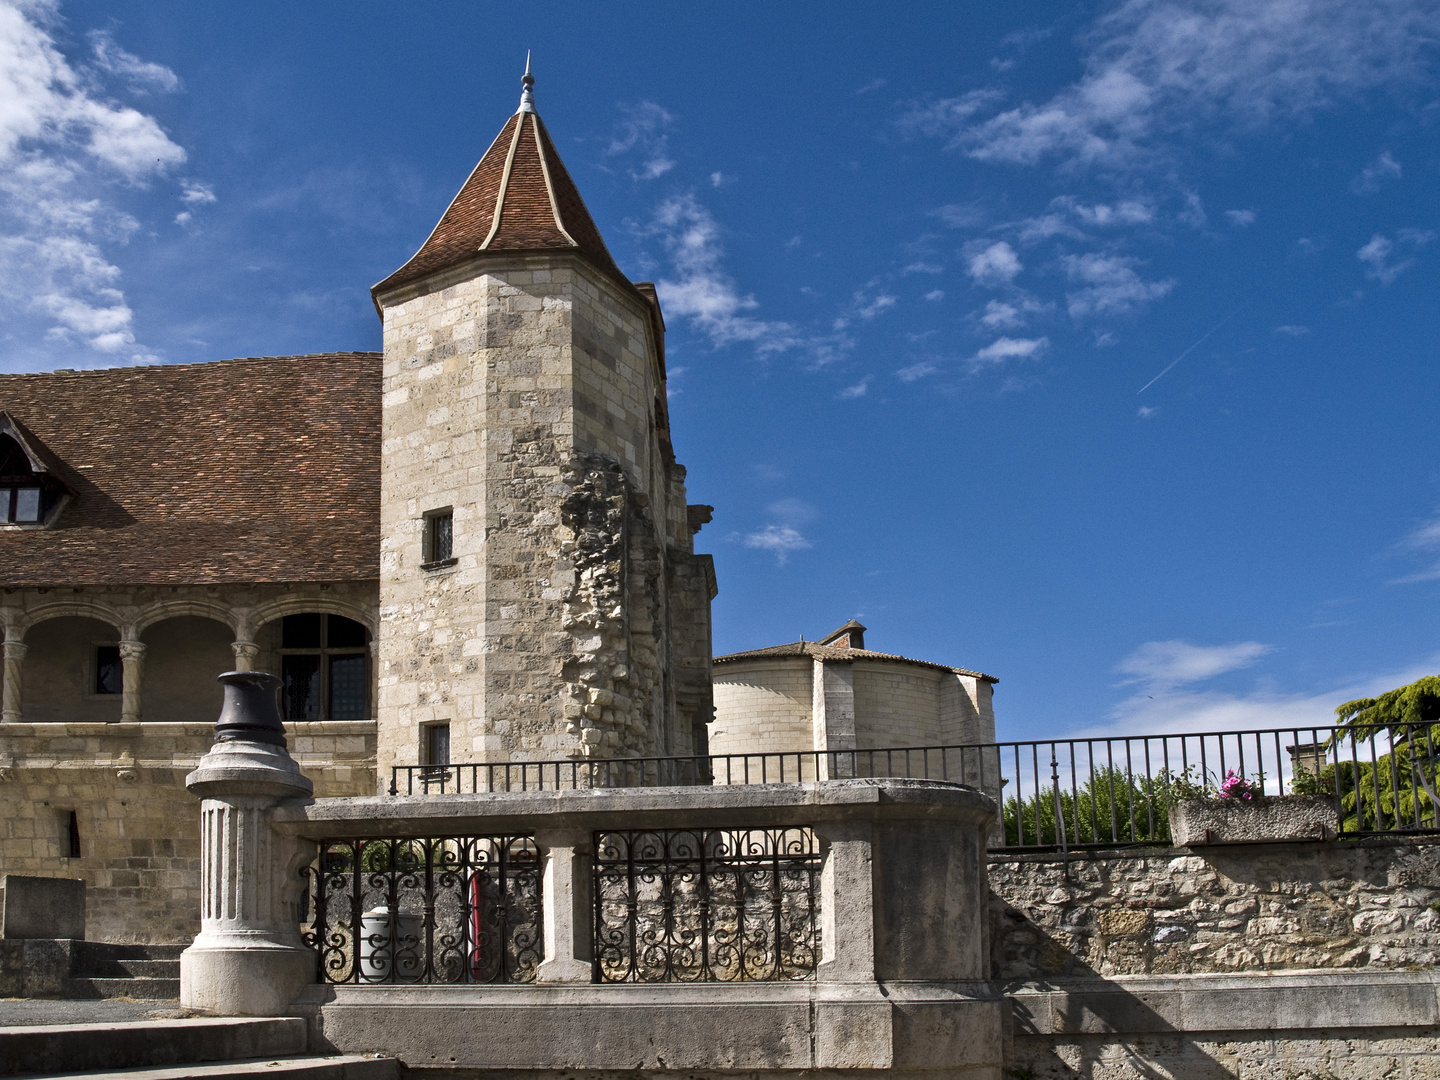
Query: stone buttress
(524, 396)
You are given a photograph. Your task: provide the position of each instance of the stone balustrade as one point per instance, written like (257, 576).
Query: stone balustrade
(837, 925)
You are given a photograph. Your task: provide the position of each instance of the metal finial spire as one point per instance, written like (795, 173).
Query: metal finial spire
(527, 99)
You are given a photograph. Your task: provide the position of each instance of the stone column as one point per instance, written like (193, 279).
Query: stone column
(565, 894)
(246, 652)
(14, 658)
(847, 902)
(249, 959)
(132, 660)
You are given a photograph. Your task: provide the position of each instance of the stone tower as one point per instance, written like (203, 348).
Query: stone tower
(539, 593)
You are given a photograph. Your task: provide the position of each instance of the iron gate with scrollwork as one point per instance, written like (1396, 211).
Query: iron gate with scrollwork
(706, 905)
(456, 909)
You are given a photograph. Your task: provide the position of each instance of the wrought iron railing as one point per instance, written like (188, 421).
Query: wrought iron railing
(706, 905)
(1054, 793)
(456, 909)
(975, 765)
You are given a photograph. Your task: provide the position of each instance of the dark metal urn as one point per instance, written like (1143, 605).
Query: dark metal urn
(251, 712)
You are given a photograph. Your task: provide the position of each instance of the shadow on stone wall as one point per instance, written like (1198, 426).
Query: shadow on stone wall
(1057, 1037)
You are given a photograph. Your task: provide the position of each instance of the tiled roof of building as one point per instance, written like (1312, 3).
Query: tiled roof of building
(827, 652)
(519, 198)
(257, 470)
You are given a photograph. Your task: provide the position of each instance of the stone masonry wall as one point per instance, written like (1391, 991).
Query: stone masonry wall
(521, 393)
(763, 706)
(1246, 908)
(139, 827)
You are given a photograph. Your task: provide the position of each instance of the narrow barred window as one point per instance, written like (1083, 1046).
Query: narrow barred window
(439, 542)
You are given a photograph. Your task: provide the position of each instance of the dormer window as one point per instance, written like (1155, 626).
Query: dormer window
(26, 497)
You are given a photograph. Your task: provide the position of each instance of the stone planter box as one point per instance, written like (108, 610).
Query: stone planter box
(1195, 822)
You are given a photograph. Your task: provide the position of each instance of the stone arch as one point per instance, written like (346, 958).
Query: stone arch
(184, 648)
(198, 606)
(81, 607)
(300, 604)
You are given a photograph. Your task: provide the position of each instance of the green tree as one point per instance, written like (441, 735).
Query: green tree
(1410, 716)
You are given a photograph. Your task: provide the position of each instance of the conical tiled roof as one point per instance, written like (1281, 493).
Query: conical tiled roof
(519, 198)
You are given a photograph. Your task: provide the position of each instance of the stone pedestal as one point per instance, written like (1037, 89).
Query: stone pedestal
(249, 959)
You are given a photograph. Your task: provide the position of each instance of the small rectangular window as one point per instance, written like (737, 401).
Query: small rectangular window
(349, 686)
(27, 504)
(437, 744)
(439, 541)
(109, 670)
(72, 824)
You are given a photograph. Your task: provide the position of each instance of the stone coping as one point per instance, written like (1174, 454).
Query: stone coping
(1253, 1001)
(756, 805)
(172, 729)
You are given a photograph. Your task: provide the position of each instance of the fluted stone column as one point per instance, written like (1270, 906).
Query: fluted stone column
(132, 660)
(249, 959)
(10, 701)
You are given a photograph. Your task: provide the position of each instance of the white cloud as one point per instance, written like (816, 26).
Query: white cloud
(1156, 67)
(1167, 664)
(66, 154)
(1002, 315)
(915, 372)
(923, 267)
(1145, 412)
(935, 295)
(780, 539)
(1109, 285)
(700, 290)
(1423, 542)
(1374, 174)
(141, 75)
(859, 390)
(1376, 255)
(644, 131)
(1290, 330)
(1241, 218)
(1102, 215)
(194, 193)
(960, 215)
(1005, 348)
(1178, 710)
(994, 264)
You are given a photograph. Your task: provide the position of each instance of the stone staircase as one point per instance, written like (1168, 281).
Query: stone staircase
(174, 1049)
(142, 972)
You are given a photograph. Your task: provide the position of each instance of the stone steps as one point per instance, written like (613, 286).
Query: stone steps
(107, 1048)
(141, 972)
(349, 1067)
(141, 989)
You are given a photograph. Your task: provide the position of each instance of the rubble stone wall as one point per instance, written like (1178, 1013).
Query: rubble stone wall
(1244, 908)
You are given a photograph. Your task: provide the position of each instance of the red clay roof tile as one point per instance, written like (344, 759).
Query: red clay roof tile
(256, 470)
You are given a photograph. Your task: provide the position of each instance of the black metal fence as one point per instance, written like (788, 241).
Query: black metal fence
(974, 765)
(706, 905)
(458, 909)
(1056, 793)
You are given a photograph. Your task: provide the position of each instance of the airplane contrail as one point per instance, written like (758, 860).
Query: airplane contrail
(1187, 352)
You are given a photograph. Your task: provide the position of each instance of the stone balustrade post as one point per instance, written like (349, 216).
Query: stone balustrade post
(565, 894)
(132, 675)
(15, 649)
(248, 959)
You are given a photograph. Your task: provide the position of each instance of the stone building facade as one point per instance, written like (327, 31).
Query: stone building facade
(472, 547)
(835, 694)
(539, 589)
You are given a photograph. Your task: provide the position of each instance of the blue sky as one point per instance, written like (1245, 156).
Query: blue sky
(921, 275)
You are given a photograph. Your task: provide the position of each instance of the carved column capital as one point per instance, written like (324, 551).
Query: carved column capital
(246, 653)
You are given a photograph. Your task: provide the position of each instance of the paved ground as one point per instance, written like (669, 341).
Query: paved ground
(15, 1012)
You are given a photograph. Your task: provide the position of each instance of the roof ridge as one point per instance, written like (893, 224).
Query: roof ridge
(368, 354)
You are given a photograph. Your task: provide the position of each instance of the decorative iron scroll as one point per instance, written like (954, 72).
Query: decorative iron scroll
(455, 909)
(706, 905)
